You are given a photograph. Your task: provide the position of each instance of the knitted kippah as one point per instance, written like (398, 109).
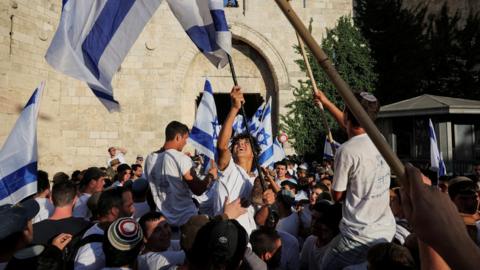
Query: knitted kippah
(124, 234)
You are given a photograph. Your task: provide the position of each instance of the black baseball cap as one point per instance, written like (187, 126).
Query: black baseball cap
(14, 218)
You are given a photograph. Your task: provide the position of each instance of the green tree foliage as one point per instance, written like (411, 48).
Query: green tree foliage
(350, 53)
(419, 53)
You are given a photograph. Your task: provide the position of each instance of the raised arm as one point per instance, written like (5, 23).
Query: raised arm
(321, 98)
(224, 154)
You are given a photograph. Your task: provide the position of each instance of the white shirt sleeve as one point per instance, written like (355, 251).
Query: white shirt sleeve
(343, 165)
(90, 257)
(185, 163)
(222, 188)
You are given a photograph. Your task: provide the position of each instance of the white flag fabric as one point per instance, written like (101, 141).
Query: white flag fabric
(94, 36)
(255, 122)
(436, 160)
(206, 25)
(278, 152)
(264, 136)
(239, 125)
(18, 157)
(327, 149)
(205, 130)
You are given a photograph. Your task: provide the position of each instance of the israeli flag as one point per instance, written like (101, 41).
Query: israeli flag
(264, 136)
(327, 149)
(436, 160)
(239, 125)
(205, 130)
(278, 152)
(18, 157)
(256, 121)
(93, 38)
(206, 25)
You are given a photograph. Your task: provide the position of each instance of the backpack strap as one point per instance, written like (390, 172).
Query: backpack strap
(92, 238)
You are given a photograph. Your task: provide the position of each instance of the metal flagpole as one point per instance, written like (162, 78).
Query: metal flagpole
(242, 110)
(344, 90)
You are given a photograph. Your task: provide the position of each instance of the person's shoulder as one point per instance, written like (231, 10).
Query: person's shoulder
(287, 237)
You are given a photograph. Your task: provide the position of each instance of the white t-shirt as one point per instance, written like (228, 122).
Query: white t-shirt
(158, 260)
(90, 256)
(367, 217)
(205, 200)
(141, 208)
(235, 183)
(289, 224)
(170, 192)
(46, 210)
(311, 255)
(119, 156)
(81, 208)
(290, 251)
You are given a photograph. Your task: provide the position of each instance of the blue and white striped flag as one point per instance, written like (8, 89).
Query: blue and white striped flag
(93, 38)
(205, 130)
(327, 149)
(18, 157)
(436, 160)
(238, 125)
(255, 123)
(205, 23)
(264, 136)
(278, 152)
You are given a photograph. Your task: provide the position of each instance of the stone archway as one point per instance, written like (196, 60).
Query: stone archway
(259, 68)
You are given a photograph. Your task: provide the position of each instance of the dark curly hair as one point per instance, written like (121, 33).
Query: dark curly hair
(246, 136)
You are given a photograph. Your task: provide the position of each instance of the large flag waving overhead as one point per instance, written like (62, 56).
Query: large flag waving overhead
(18, 157)
(436, 160)
(93, 38)
(205, 23)
(265, 137)
(205, 130)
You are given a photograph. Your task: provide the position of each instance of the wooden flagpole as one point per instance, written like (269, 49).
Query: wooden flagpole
(344, 90)
(315, 90)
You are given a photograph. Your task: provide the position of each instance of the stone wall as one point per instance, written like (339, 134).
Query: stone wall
(159, 80)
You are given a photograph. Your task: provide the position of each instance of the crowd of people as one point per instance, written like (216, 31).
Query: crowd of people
(174, 211)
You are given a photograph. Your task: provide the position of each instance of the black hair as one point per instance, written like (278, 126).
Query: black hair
(263, 240)
(109, 199)
(330, 215)
(249, 138)
(148, 217)
(135, 167)
(173, 128)
(281, 162)
(42, 181)
(63, 193)
(321, 186)
(60, 177)
(390, 256)
(371, 108)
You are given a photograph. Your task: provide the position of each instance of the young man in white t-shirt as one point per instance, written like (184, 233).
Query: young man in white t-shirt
(361, 181)
(172, 178)
(113, 203)
(92, 182)
(235, 165)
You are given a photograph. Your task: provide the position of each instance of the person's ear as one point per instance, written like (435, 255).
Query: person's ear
(266, 256)
(115, 211)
